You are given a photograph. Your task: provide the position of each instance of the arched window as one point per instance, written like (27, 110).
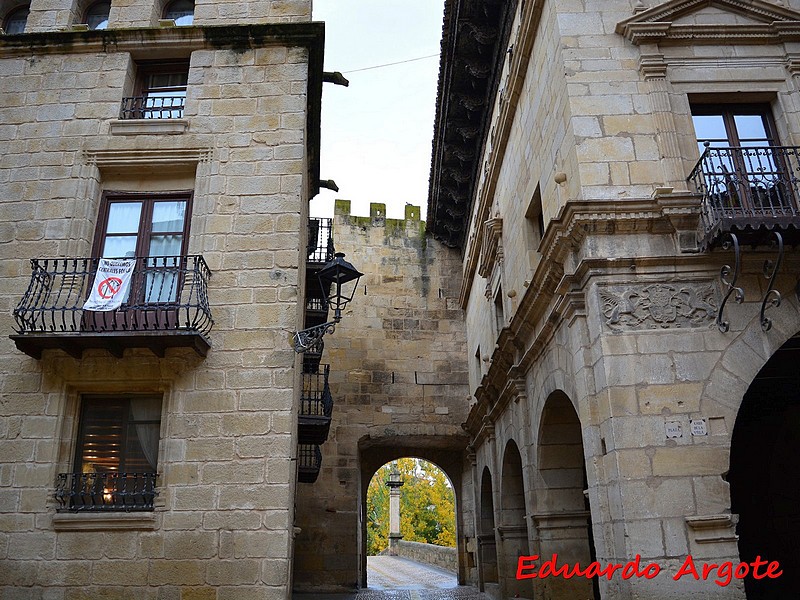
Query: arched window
(180, 11)
(16, 19)
(97, 15)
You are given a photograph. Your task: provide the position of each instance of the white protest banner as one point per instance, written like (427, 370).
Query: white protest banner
(111, 284)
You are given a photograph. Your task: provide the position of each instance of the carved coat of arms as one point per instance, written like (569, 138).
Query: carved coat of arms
(659, 305)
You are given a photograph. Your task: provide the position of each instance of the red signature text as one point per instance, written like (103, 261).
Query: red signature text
(722, 574)
(527, 569)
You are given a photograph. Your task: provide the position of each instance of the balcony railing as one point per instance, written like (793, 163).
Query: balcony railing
(309, 459)
(167, 306)
(749, 190)
(153, 107)
(313, 356)
(316, 407)
(95, 492)
(320, 240)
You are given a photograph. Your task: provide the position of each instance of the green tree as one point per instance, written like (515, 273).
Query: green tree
(427, 505)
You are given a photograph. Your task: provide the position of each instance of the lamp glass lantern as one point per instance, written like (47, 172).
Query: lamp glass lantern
(339, 280)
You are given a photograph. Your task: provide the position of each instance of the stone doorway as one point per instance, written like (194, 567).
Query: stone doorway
(446, 453)
(765, 486)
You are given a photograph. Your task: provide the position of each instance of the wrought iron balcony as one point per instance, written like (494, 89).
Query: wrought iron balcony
(313, 356)
(316, 407)
(309, 462)
(95, 492)
(153, 107)
(750, 191)
(320, 241)
(167, 306)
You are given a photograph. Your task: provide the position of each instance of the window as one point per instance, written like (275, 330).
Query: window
(97, 15)
(154, 227)
(535, 219)
(745, 125)
(116, 455)
(180, 11)
(16, 20)
(744, 167)
(160, 91)
(499, 311)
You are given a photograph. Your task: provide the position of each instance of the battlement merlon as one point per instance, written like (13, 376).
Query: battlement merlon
(411, 225)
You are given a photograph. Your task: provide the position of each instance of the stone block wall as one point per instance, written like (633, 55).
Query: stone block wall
(222, 524)
(399, 385)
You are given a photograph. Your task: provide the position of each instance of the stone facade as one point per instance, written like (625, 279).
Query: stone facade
(610, 403)
(399, 385)
(244, 150)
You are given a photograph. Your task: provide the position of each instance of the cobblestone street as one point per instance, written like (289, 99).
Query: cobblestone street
(394, 578)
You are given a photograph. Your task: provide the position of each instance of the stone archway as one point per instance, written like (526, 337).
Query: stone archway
(764, 484)
(562, 517)
(513, 525)
(487, 545)
(446, 452)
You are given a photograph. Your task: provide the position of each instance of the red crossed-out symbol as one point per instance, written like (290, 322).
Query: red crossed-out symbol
(108, 287)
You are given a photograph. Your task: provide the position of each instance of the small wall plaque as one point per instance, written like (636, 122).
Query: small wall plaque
(698, 427)
(673, 429)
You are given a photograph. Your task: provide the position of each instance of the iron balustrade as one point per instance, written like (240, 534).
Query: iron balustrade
(320, 240)
(95, 492)
(309, 458)
(318, 305)
(153, 107)
(754, 188)
(312, 358)
(316, 399)
(167, 293)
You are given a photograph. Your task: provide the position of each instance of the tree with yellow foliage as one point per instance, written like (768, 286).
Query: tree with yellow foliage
(427, 505)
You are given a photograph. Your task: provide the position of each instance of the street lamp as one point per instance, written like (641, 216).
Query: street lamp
(338, 280)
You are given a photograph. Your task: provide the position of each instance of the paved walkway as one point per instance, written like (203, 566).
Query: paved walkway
(395, 578)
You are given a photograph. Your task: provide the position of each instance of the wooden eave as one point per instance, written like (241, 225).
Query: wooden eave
(474, 41)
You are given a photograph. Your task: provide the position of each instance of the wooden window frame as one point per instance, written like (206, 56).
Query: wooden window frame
(145, 218)
(727, 112)
(10, 14)
(89, 9)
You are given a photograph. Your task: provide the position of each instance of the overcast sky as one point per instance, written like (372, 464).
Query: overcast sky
(376, 134)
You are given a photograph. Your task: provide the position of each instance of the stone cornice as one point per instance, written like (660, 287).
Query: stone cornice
(772, 24)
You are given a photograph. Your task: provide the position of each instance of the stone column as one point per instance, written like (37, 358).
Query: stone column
(394, 484)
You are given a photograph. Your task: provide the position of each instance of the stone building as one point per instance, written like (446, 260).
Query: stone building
(143, 452)
(615, 175)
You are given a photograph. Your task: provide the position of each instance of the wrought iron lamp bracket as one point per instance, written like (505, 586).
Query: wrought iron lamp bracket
(730, 286)
(307, 338)
(772, 298)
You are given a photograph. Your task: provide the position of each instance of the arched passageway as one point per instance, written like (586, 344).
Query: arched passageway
(487, 545)
(444, 452)
(563, 519)
(765, 486)
(513, 525)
